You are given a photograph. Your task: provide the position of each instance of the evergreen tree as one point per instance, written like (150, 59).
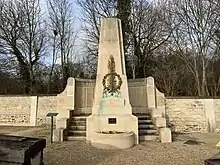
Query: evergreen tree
(124, 12)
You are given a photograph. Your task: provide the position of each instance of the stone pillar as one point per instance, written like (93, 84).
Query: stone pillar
(165, 135)
(33, 113)
(150, 90)
(65, 103)
(66, 100)
(210, 114)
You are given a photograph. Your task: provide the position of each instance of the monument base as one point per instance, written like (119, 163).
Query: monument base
(113, 140)
(111, 122)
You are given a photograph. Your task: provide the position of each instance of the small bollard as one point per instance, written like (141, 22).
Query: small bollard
(51, 114)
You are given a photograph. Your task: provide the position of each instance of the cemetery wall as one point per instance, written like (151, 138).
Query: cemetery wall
(26, 110)
(188, 114)
(45, 105)
(15, 110)
(183, 114)
(217, 113)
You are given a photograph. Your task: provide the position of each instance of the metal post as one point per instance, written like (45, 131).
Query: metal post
(51, 114)
(51, 130)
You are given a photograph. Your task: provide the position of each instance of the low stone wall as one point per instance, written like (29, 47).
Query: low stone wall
(26, 110)
(193, 114)
(217, 113)
(15, 110)
(45, 105)
(186, 114)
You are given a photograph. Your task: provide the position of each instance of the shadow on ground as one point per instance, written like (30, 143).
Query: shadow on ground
(178, 136)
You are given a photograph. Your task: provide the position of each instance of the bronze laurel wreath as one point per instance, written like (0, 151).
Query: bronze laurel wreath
(114, 88)
(111, 86)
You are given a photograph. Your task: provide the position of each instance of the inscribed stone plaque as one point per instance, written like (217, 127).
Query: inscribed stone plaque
(111, 120)
(90, 93)
(79, 99)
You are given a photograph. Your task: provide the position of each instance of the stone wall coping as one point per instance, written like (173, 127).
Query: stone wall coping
(93, 80)
(137, 80)
(192, 97)
(167, 97)
(26, 95)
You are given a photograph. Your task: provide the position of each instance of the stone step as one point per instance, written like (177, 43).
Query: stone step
(141, 114)
(70, 138)
(146, 126)
(77, 123)
(142, 117)
(77, 128)
(78, 118)
(147, 132)
(144, 121)
(149, 137)
(76, 133)
(81, 114)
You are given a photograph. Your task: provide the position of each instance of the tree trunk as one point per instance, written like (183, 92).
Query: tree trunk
(52, 67)
(25, 76)
(198, 84)
(204, 82)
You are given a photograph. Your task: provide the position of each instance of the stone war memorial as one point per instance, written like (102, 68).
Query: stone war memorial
(112, 122)
(112, 112)
(111, 109)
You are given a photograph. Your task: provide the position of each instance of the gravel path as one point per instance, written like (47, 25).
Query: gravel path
(9, 129)
(147, 153)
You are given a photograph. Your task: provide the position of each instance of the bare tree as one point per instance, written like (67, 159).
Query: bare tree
(194, 37)
(22, 37)
(54, 59)
(144, 29)
(92, 13)
(62, 23)
(150, 29)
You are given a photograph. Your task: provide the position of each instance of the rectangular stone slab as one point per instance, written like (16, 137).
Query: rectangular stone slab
(212, 161)
(20, 150)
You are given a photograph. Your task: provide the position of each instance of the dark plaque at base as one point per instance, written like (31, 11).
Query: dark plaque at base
(17, 150)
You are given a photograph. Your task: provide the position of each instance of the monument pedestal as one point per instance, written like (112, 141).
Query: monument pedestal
(106, 123)
(113, 115)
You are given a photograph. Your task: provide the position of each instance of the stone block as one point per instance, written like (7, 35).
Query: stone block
(64, 113)
(161, 109)
(160, 122)
(61, 123)
(19, 150)
(165, 135)
(58, 135)
(33, 113)
(155, 114)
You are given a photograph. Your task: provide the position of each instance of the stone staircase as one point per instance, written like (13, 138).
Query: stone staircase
(147, 130)
(76, 129)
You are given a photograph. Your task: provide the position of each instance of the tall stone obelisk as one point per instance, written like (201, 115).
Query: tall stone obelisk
(110, 43)
(111, 100)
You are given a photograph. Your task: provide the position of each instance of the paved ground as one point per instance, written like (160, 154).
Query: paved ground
(147, 153)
